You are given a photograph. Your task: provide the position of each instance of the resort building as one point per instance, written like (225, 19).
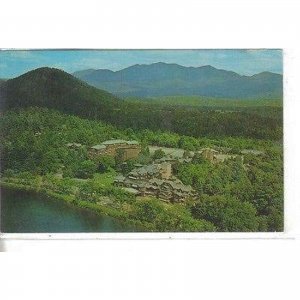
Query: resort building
(252, 151)
(215, 156)
(127, 149)
(169, 190)
(74, 145)
(161, 171)
(155, 180)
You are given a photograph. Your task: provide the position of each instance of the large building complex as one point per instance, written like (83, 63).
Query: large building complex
(126, 149)
(155, 180)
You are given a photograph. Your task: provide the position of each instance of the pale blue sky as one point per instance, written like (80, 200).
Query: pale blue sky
(244, 62)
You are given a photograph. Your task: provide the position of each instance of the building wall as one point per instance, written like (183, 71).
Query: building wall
(164, 191)
(166, 170)
(93, 153)
(208, 154)
(130, 151)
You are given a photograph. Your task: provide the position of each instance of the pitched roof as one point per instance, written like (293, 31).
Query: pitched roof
(138, 165)
(167, 159)
(98, 147)
(131, 190)
(132, 143)
(184, 160)
(114, 142)
(74, 145)
(119, 178)
(156, 181)
(209, 149)
(177, 185)
(222, 157)
(252, 151)
(144, 170)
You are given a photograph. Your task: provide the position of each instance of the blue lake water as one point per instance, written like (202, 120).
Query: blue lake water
(28, 212)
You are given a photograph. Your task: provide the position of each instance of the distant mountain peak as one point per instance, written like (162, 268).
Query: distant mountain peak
(266, 73)
(170, 79)
(160, 63)
(44, 70)
(208, 67)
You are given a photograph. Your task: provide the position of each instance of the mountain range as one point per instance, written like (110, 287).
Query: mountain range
(59, 90)
(162, 79)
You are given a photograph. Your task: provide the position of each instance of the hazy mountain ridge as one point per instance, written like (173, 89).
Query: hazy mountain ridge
(161, 79)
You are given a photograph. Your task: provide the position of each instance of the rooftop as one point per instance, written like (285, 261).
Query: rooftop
(167, 159)
(209, 149)
(178, 185)
(149, 169)
(120, 178)
(74, 145)
(114, 142)
(131, 190)
(174, 152)
(222, 157)
(252, 151)
(98, 147)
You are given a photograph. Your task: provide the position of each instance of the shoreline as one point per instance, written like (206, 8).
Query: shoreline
(82, 204)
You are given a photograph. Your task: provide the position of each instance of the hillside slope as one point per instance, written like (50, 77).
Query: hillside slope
(161, 79)
(53, 88)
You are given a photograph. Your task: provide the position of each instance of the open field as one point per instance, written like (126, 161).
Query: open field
(199, 101)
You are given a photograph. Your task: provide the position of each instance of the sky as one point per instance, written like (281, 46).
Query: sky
(245, 62)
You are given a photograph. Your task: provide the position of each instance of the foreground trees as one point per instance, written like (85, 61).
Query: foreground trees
(228, 214)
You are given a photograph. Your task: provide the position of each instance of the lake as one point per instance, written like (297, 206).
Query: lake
(29, 212)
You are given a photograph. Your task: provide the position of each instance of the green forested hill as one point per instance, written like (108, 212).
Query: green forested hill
(53, 88)
(1, 81)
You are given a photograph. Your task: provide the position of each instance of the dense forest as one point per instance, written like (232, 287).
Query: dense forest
(232, 196)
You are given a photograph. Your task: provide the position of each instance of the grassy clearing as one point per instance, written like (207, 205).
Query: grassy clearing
(199, 101)
(105, 179)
